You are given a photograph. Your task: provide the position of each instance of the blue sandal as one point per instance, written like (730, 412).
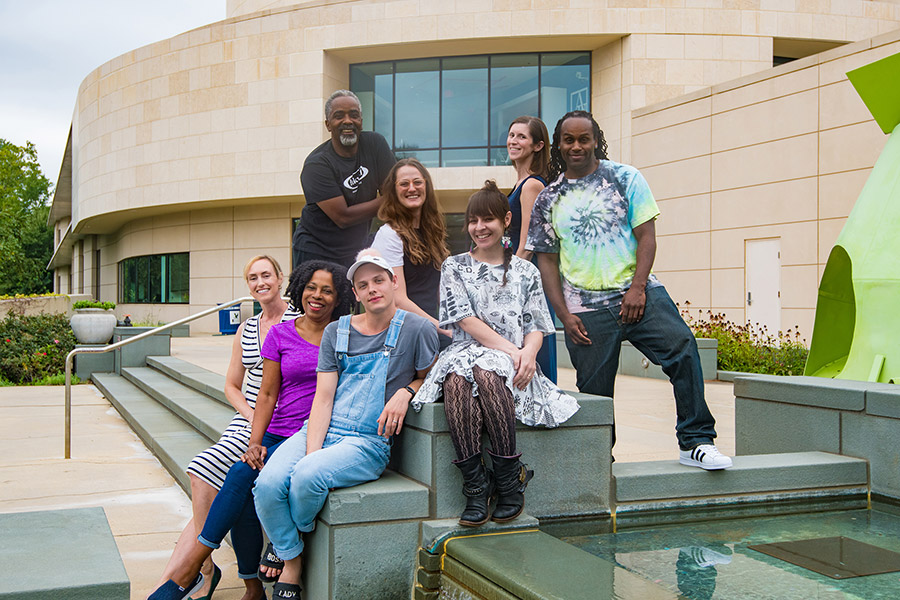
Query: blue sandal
(172, 591)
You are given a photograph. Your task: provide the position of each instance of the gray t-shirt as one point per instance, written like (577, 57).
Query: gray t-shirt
(416, 349)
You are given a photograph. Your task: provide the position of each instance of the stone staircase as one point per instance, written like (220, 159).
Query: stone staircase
(178, 409)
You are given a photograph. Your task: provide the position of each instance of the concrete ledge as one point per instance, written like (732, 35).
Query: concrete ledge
(571, 462)
(432, 534)
(135, 355)
(730, 375)
(198, 378)
(883, 400)
(750, 474)
(537, 566)
(633, 362)
(808, 391)
(390, 497)
(206, 415)
(67, 554)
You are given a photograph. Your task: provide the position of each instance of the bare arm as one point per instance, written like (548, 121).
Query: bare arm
(406, 304)
(390, 422)
(635, 298)
(262, 416)
(530, 191)
(344, 216)
(234, 378)
(548, 264)
(320, 414)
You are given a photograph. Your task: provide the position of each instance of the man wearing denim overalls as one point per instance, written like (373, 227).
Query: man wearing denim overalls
(370, 366)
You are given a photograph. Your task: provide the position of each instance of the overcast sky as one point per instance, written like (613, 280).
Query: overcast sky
(47, 47)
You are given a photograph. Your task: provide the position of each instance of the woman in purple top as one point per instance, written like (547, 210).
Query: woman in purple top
(290, 354)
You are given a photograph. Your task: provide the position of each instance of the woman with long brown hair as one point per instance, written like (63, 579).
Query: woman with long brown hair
(413, 238)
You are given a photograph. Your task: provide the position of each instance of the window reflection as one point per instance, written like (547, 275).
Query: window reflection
(455, 111)
(155, 279)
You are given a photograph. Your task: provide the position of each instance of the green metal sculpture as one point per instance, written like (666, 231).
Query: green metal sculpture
(857, 328)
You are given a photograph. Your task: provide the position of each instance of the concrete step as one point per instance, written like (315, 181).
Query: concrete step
(170, 438)
(208, 416)
(763, 480)
(60, 554)
(533, 565)
(198, 378)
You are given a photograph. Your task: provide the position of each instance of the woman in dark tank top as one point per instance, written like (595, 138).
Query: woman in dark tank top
(413, 237)
(528, 145)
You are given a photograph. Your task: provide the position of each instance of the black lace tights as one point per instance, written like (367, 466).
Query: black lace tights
(493, 409)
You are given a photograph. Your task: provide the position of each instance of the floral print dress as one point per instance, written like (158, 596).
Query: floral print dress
(471, 288)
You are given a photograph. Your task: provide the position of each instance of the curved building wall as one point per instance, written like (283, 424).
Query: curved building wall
(221, 118)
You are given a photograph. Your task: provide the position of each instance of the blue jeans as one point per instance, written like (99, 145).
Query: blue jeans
(292, 489)
(664, 338)
(233, 510)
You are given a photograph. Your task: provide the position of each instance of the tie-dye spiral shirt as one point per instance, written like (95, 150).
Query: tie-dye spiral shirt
(589, 223)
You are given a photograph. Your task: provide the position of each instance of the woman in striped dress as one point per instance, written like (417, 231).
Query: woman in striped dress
(208, 469)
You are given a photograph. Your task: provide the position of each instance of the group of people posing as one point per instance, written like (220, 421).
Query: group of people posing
(326, 391)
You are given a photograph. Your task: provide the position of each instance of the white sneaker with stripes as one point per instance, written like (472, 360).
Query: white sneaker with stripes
(705, 456)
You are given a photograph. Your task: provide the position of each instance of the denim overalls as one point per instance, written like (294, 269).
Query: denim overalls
(292, 488)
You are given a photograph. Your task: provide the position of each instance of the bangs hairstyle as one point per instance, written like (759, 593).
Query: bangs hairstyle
(274, 263)
(428, 244)
(540, 160)
(342, 290)
(489, 201)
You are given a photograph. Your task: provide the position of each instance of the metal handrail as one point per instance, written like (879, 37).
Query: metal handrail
(70, 357)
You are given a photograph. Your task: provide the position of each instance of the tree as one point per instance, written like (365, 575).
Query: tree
(26, 241)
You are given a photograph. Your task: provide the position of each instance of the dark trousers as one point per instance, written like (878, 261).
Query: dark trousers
(664, 338)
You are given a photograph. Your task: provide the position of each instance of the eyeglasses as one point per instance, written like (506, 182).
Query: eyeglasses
(414, 183)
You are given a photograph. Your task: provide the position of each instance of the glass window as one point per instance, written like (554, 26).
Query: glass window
(565, 85)
(455, 111)
(514, 92)
(464, 94)
(154, 279)
(374, 84)
(417, 104)
(466, 157)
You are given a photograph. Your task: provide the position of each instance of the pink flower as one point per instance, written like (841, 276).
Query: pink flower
(55, 341)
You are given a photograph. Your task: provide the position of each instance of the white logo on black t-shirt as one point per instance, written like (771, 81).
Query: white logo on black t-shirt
(352, 182)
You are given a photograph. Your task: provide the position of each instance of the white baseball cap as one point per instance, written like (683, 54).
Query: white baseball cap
(368, 259)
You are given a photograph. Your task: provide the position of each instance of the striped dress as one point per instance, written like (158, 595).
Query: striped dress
(212, 464)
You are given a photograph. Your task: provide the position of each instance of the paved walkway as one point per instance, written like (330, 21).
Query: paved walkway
(146, 509)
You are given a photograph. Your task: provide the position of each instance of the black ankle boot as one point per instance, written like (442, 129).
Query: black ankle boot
(511, 478)
(478, 486)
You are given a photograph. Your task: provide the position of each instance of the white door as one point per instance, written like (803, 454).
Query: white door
(763, 271)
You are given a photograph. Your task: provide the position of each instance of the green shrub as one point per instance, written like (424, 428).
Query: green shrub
(751, 349)
(34, 347)
(93, 304)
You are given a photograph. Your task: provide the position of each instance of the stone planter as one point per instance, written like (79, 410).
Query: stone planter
(93, 325)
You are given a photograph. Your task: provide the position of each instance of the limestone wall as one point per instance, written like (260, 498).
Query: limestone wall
(782, 154)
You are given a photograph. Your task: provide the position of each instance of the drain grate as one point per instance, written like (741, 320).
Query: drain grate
(835, 557)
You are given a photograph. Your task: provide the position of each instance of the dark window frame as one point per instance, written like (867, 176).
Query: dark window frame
(163, 286)
(490, 148)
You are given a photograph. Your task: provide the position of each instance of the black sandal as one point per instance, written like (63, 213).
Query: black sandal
(287, 590)
(270, 559)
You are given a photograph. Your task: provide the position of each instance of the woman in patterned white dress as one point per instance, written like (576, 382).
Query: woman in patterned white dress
(494, 304)
(207, 470)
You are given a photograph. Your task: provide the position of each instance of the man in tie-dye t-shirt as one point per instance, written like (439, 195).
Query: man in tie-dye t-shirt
(594, 232)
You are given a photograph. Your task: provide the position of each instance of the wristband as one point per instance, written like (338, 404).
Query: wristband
(410, 390)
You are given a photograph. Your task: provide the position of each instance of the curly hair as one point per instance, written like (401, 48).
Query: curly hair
(303, 273)
(557, 164)
(540, 160)
(428, 243)
(489, 201)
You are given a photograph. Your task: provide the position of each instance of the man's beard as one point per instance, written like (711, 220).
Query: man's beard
(349, 139)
